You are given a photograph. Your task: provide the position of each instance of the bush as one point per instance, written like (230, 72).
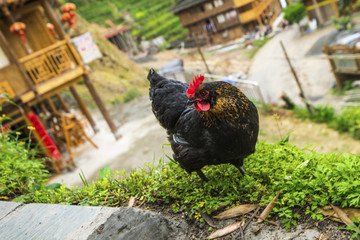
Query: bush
(294, 12)
(342, 23)
(349, 121)
(303, 180)
(20, 170)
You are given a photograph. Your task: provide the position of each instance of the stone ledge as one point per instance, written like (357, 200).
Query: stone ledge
(48, 221)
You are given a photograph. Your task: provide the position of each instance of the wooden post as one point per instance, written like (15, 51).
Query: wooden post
(52, 106)
(101, 106)
(302, 95)
(50, 14)
(201, 54)
(84, 109)
(63, 103)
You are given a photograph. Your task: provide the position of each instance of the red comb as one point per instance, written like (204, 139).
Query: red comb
(197, 80)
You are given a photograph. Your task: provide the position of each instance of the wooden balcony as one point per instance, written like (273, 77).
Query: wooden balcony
(49, 62)
(187, 18)
(240, 3)
(51, 68)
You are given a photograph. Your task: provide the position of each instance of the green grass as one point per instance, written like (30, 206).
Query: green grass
(21, 171)
(304, 179)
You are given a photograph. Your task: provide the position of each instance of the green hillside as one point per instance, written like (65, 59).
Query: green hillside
(148, 19)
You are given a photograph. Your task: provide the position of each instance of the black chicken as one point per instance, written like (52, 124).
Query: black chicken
(207, 123)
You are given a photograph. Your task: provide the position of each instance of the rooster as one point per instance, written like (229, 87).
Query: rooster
(207, 123)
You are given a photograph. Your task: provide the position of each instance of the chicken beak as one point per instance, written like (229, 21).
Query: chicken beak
(190, 102)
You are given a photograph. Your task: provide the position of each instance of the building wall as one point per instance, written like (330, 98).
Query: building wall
(37, 34)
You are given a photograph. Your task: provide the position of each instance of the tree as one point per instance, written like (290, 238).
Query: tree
(294, 12)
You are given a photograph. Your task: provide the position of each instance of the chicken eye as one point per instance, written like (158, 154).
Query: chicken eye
(202, 93)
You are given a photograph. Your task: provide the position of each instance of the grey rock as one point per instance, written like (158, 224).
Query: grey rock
(7, 207)
(50, 221)
(133, 223)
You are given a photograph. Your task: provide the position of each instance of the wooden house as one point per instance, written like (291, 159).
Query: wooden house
(37, 62)
(122, 39)
(219, 21)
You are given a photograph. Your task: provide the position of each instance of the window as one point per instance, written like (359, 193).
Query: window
(220, 18)
(4, 61)
(208, 6)
(218, 3)
(231, 15)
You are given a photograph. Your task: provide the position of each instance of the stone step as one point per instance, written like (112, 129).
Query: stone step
(50, 221)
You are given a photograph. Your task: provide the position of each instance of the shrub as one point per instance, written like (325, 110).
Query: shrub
(21, 171)
(349, 121)
(294, 12)
(303, 180)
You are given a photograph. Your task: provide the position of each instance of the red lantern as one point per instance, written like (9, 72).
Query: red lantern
(51, 29)
(68, 7)
(18, 28)
(69, 14)
(66, 17)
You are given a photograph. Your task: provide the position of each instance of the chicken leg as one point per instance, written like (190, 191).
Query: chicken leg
(202, 175)
(239, 166)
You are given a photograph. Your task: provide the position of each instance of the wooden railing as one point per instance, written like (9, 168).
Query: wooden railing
(49, 62)
(344, 61)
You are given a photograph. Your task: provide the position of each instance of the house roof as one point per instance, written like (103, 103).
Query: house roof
(116, 31)
(185, 4)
